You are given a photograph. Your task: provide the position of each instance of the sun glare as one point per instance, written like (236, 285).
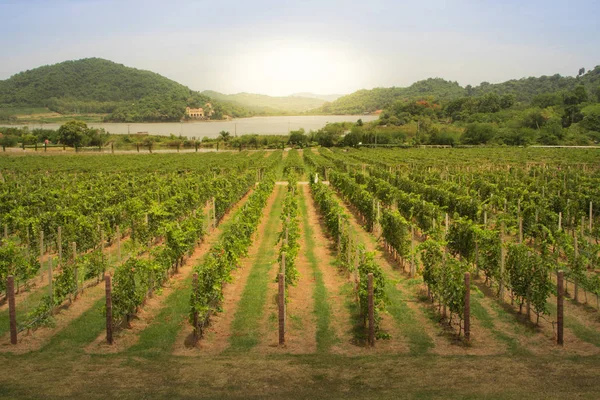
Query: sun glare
(282, 67)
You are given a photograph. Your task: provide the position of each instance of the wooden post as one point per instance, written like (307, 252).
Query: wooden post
(41, 248)
(560, 221)
(118, 234)
(447, 223)
(59, 244)
(576, 284)
(12, 309)
(339, 235)
(50, 290)
(560, 308)
(281, 309)
(590, 217)
(75, 269)
(102, 249)
(502, 262)
(371, 306)
(467, 312)
(356, 275)
(520, 229)
(582, 226)
(412, 252)
(214, 213)
(195, 322)
(109, 321)
(485, 219)
(282, 269)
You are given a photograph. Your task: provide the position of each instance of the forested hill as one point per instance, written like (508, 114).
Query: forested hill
(364, 101)
(94, 85)
(440, 90)
(263, 104)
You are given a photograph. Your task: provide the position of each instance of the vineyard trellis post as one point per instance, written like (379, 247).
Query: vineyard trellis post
(371, 307)
(520, 229)
(412, 251)
(575, 280)
(559, 221)
(59, 244)
(50, 290)
(502, 264)
(467, 311)
(356, 275)
(214, 213)
(339, 235)
(560, 308)
(12, 310)
(109, 319)
(75, 269)
(195, 290)
(118, 234)
(447, 223)
(42, 250)
(281, 305)
(590, 217)
(102, 250)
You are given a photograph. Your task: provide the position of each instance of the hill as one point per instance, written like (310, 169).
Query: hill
(94, 85)
(263, 104)
(366, 101)
(326, 97)
(440, 90)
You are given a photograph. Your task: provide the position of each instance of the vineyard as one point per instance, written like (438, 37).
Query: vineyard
(284, 273)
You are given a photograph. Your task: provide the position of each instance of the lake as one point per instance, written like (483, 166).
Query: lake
(240, 126)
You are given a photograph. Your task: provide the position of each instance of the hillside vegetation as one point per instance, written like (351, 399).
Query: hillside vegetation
(95, 85)
(263, 104)
(439, 90)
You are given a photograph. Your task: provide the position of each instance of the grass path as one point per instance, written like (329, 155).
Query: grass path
(325, 335)
(245, 330)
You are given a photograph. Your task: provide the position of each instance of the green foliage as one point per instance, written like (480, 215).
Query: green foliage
(290, 232)
(94, 85)
(444, 276)
(233, 244)
(368, 266)
(396, 231)
(15, 260)
(76, 134)
(529, 277)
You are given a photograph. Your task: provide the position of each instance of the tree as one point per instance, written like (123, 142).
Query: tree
(73, 133)
(478, 133)
(298, 138)
(507, 101)
(225, 135)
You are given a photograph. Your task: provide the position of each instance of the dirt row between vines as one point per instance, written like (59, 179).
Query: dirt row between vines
(68, 312)
(40, 281)
(300, 326)
(482, 340)
(217, 334)
(125, 338)
(31, 340)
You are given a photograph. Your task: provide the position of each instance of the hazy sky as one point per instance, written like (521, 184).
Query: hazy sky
(281, 47)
